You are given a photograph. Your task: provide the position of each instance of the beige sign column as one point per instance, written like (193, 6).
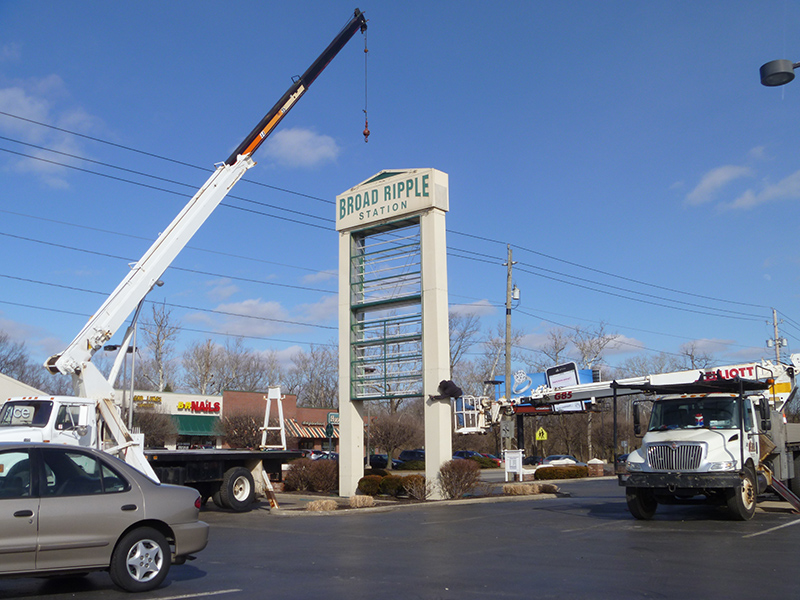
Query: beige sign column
(394, 200)
(435, 344)
(351, 414)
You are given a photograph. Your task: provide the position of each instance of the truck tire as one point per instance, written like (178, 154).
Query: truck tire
(642, 503)
(238, 490)
(742, 499)
(140, 561)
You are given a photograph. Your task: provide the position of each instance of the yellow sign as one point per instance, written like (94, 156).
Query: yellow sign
(541, 435)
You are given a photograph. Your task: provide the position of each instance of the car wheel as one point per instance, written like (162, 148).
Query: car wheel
(742, 499)
(238, 489)
(140, 561)
(642, 503)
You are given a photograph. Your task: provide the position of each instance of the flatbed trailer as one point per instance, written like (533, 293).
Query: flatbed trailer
(231, 478)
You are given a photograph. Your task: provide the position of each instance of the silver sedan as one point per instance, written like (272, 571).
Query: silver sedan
(65, 509)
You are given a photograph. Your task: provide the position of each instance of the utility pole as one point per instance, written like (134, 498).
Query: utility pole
(777, 341)
(509, 292)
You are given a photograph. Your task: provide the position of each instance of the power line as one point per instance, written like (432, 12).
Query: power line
(172, 305)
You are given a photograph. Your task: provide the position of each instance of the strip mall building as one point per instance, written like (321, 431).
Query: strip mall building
(197, 417)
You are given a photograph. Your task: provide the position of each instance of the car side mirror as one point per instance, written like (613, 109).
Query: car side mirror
(637, 426)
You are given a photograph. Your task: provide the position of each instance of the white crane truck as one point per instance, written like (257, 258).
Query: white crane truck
(714, 434)
(92, 417)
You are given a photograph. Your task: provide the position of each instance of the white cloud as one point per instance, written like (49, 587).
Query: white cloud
(715, 180)
(10, 52)
(786, 189)
(301, 148)
(267, 318)
(221, 289)
(320, 276)
(481, 308)
(324, 310)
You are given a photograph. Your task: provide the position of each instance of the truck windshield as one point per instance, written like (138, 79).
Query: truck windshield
(30, 413)
(695, 413)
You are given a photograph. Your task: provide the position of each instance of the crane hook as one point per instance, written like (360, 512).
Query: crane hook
(366, 128)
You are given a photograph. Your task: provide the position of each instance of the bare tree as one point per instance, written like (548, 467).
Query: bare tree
(314, 376)
(391, 431)
(553, 351)
(158, 366)
(17, 363)
(200, 363)
(244, 369)
(694, 358)
(464, 329)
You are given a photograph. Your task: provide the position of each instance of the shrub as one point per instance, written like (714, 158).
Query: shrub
(361, 501)
(569, 472)
(483, 462)
(392, 485)
(324, 476)
(309, 475)
(320, 505)
(412, 465)
(416, 487)
(379, 472)
(297, 478)
(459, 477)
(370, 485)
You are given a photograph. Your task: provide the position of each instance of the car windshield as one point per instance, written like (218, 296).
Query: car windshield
(695, 413)
(30, 413)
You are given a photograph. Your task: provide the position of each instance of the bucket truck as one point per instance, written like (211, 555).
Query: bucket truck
(80, 420)
(719, 434)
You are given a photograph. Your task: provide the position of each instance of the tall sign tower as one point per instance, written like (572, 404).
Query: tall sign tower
(393, 313)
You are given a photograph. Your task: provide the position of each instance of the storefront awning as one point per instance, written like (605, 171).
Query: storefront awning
(295, 429)
(196, 424)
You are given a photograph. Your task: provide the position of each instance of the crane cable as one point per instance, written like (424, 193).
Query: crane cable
(366, 120)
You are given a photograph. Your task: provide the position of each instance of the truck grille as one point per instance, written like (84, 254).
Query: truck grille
(674, 457)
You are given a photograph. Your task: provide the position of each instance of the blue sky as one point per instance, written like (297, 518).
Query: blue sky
(626, 151)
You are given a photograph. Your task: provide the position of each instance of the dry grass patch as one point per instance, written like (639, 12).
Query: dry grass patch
(529, 489)
(322, 505)
(362, 501)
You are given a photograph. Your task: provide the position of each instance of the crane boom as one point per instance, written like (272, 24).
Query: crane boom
(75, 358)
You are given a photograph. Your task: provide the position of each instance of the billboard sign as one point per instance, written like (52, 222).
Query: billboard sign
(389, 195)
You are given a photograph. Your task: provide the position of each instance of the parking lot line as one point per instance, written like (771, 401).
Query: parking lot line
(199, 595)
(750, 535)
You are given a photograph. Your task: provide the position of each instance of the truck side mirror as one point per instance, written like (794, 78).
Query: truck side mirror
(763, 409)
(83, 421)
(637, 427)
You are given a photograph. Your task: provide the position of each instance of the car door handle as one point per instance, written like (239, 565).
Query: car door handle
(23, 513)
(129, 507)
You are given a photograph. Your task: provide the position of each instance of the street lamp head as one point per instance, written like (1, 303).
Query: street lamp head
(777, 72)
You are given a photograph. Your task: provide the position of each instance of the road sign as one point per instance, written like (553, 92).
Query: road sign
(333, 418)
(541, 435)
(329, 430)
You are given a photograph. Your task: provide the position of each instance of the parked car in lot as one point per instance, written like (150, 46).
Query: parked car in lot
(410, 455)
(380, 461)
(493, 458)
(532, 460)
(465, 454)
(562, 458)
(67, 510)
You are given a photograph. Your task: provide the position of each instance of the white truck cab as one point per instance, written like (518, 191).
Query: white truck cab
(55, 419)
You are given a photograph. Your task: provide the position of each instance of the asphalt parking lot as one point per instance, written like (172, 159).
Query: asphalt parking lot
(582, 546)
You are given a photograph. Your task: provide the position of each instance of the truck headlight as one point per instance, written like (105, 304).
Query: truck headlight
(633, 466)
(728, 465)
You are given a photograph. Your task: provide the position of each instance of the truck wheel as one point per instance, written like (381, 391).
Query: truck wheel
(216, 498)
(238, 491)
(642, 503)
(140, 561)
(742, 499)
